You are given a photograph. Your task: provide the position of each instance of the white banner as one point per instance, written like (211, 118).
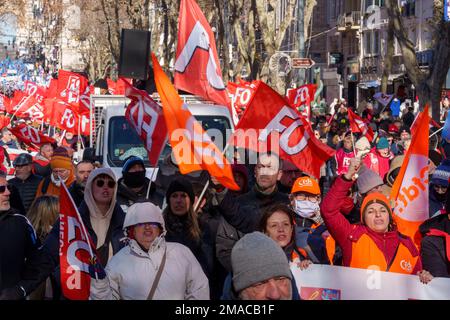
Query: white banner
(323, 282)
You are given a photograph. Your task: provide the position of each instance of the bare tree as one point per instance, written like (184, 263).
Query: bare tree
(428, 83)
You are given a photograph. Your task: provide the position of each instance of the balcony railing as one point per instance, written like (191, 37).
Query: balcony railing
(349, 21)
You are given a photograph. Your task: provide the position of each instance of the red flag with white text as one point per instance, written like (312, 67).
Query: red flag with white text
(74, 89)
(197, 67)
(271, 124)
(30, 135)
(75, 250)
(66, 117)
(301, 98)
(357, 125)
(241, 94)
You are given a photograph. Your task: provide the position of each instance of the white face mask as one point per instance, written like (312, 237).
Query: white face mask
(306, 208)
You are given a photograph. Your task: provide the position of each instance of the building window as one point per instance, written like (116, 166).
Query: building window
(372, 42)
(378, 3)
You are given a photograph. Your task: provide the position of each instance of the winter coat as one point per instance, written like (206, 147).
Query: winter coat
(374, 161)
(77, 193)
(131, 272)
(434, 248)
(47, 187)
(227, 236)
(245, 211)
(27, 188)
(346, 235)
(18, 242)
(127, 197)
(343, 157)
(435, 206)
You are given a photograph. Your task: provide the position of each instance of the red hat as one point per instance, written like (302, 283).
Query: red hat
(393, 128)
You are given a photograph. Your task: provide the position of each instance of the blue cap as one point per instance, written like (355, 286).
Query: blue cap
(383, 143)
(131, 161)
(441, 175)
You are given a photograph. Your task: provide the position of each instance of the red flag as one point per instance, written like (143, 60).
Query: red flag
(4, 121)
(30, 135)
(357, 125)
(197, 68)
(66, 117)
(75, 251)
(241, 94)
(191, 145)
(410, 189)
(147, 118)
(5, 103)
(52, 91)
(27, 106)
(73, 89)
(301, 99)
(269, 115)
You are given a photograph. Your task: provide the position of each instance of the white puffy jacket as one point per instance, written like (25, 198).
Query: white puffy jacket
(130, 274)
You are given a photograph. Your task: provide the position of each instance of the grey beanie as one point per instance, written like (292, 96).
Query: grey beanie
(255, 258)
(367, 180)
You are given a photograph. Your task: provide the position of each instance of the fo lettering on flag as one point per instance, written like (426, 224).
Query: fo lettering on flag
(75, 251)
(192, 147)
(301, 98)
(271, 124)
(147, 118)
(30, 135)
(410, 189)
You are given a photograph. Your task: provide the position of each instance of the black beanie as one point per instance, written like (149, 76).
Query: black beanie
(181, 184)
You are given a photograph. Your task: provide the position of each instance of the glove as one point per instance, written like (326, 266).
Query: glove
(14, 293)
(96, 270)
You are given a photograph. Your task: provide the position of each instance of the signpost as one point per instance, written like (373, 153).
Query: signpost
(302, 63)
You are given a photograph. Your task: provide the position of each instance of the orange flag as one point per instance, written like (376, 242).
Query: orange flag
(192, 146)
(410, 189)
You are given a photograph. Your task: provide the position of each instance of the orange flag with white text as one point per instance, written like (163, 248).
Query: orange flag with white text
(191, 145)
(410, 189)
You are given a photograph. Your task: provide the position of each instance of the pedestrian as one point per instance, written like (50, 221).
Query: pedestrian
(43, 214)
(25, 181)
(41, 162)
(377, 233)
(379, 158)
(438, 188)
(278, 223)
(149, 267)
(103, 219)
(182, 222)
(435, 246)
(18, 243)
(289, 174)
(260, 270)
(134, 185)
(82, 171)
(62, 172)
(7, 140)
(344, 154)
(311, 235)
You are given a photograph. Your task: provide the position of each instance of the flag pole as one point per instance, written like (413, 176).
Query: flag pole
(437, 131)
(150, 184)
(200, 198)
(353, 143)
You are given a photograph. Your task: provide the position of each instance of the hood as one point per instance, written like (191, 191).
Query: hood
(439, 222)
(88, 197)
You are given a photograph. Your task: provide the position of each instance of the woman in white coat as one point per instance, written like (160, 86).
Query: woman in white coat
(149, 267)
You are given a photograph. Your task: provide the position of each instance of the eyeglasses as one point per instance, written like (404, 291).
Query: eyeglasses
(100, 183)
(303, 197)
(3, 188)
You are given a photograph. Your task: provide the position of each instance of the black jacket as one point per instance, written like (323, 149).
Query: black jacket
(434, 204)
(43, 171)
(127, 197)
(37, 270)
(245, 211)
(18, 242)
(27, 188)
(433, 248)
(77, 193)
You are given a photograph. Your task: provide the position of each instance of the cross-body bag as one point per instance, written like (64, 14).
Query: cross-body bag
(158, 276)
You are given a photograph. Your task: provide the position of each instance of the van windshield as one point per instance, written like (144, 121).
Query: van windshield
(125, 142)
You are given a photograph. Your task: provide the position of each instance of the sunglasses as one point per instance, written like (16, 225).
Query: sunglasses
(100, 183)
(3, 188)
(153, 224)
